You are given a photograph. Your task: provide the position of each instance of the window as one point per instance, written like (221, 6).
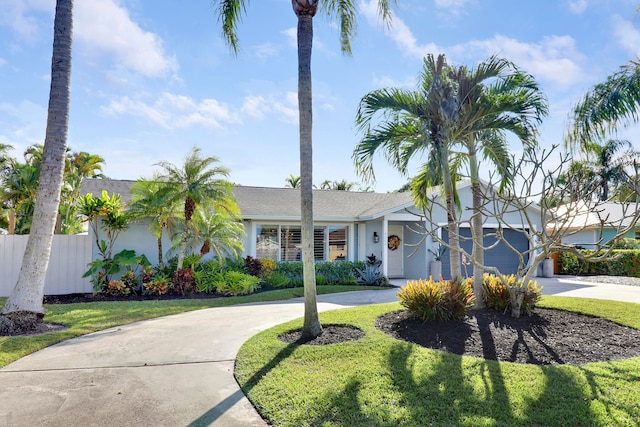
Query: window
(284, 242)
(337, 243)
(267, 241)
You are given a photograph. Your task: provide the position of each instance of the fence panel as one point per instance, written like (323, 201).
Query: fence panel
(69, 258)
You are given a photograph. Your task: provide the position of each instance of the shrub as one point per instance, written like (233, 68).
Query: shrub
(205, 280)
(117, 288)
(321, 280)
(157, 286)
(624, 262)
(253, 266)
(235, 283)
(268, 267)
(429, 300)
(183, 281)
(502, 296)
(370, 275)
(277, 280)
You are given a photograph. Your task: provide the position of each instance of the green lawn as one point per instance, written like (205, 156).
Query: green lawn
(91, 317)
(380, 381)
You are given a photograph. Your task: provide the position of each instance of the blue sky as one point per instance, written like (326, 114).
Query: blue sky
(151, 78)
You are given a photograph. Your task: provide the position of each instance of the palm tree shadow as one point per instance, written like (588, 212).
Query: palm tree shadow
(218, 410)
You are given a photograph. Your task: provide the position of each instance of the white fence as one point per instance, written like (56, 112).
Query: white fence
(69, 258)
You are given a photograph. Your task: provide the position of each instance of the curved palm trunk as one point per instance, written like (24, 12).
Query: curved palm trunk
(312, 327)
(476, 231)
(24, 306)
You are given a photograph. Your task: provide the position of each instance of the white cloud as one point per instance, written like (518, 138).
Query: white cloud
(627, 35)
(577, 6)
(453, 7)
(175, 111)
(21, 17)
(171, 111)
(554, 59)
(104, 26)
(291, 35)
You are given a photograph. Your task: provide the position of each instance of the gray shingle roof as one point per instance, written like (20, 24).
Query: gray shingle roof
(284, 203)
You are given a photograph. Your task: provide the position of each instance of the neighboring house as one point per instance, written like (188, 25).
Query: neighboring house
(602, 224)
(348, 226)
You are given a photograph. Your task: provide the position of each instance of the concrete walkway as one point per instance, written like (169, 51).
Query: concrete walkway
(176, 370)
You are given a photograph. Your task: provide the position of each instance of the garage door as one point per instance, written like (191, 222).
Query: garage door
(500, 257)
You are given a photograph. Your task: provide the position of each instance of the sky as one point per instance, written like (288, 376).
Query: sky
(151, 79)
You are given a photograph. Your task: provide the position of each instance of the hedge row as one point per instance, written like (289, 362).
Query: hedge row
(624, 263)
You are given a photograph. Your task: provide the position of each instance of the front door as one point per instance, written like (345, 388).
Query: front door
(395, 251)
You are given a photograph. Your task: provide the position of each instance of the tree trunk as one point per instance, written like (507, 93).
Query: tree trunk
(312, 327)
(183, 244)
(455, 264)
(476, 232)
(160, 260)
(27, 295)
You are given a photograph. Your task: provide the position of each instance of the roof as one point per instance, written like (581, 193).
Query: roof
(266, 203)
(579, 215)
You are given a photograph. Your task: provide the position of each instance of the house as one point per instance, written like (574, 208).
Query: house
(348, 226)
(600, 223)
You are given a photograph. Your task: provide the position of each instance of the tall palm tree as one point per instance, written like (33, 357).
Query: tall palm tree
(199, 180)
(23, 309)
(607, 105)
(494, 97)
(418, 121)
(229, 13)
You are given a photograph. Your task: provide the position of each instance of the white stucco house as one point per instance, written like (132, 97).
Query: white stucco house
(348, 225)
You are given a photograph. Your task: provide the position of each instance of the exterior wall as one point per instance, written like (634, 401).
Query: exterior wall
(416, 258)
(581, 238)
(138, 238)
(69, 258)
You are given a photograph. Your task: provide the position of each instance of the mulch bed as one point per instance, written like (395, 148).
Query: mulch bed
(82, 298)
(548, 337)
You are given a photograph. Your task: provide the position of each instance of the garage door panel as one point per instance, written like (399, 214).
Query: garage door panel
(500, 256)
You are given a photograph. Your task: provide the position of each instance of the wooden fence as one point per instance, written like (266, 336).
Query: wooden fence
(69, 258)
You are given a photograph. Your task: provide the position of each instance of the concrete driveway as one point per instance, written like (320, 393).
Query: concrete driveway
(175, 370)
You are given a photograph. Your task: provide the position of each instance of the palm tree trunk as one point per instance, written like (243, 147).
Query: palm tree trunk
(455, 263)
(25, 301)
(160, 261)
(476, 232)
(312, 327)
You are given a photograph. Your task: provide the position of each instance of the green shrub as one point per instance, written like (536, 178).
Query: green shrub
(235, 283)
(277, 280)
(623, 262)
(500, 296)
(204, 280)
(444, 300)
(321, 280)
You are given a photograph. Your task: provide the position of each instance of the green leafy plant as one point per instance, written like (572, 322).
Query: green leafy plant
(438, 253)
(158, 286)
(512, 295)
(278, 280)
(444, 300)
(370, 275)
(236, 283)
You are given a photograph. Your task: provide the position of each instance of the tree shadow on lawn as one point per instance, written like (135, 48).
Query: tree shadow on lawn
(451, 393)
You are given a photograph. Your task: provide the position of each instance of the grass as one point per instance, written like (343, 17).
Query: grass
(380, 381)
(85, 318)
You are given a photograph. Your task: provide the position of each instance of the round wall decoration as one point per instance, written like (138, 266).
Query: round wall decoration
(393, 242)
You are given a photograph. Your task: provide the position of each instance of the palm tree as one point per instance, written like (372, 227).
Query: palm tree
(23, 310)
(292, 181)
(417, 121)
(494, 98)
(607, 105)
(198, 181)
(342, 185)
(218, 232)
(149, 201)
(229, 13)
